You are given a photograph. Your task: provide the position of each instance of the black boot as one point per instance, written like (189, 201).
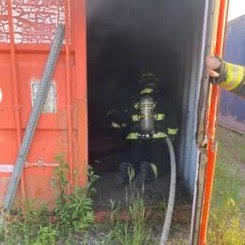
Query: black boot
(126, 173)
(147, 173)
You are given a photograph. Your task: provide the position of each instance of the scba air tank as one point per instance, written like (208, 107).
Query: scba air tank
(147, 115)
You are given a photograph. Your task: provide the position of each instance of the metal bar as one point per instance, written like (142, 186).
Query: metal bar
(15, 87)
(34, 117)
(79, 32)
(211, 127)
(209, 177)
(68, 88)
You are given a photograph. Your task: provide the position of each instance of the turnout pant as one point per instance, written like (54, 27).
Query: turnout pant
(151, 151)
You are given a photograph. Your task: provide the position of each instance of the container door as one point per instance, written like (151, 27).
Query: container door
(26, 32)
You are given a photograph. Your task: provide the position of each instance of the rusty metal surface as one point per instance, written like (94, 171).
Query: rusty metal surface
(34, 21)
(211, 128)
(26, 30)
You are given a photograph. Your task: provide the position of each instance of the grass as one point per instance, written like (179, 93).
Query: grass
(225, 225)
(73, 215)
(74, 219)
(136, 229)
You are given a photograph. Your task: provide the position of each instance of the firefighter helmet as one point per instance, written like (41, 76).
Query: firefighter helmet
(149, 80)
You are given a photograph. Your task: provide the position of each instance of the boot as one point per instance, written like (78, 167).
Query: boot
(126, 173)
(147, 173)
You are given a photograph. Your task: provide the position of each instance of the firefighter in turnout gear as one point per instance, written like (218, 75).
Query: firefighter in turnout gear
(229, 76)
(146, 125)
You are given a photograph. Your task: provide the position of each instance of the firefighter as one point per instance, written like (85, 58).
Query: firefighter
(229, 76)
(146, 127)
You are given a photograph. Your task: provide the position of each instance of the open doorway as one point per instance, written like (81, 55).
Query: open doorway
(126, 39)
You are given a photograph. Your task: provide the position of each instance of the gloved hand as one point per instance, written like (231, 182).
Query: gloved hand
(215, 69)
(213, 63)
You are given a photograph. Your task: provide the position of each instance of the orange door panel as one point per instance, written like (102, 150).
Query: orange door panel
(26, 33)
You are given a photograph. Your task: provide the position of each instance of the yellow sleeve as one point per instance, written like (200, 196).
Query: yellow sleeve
(234, 76)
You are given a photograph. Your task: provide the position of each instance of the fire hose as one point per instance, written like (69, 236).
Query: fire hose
(147, 126)
(171, 198)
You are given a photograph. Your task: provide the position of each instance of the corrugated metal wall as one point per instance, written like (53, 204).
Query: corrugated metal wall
(26, 30)
(232, 108)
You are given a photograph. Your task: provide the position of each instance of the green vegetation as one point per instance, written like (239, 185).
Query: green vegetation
(74, 211)
(72, 221)
(225, 225)
(135, 229)
(72, 215)
(23, 227)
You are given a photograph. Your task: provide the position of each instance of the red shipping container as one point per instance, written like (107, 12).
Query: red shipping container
(26, 31)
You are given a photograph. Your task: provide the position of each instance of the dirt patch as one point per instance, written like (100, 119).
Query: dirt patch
(155, 197)
(154, 192)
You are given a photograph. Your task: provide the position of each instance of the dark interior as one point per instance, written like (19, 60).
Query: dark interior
(127, 38)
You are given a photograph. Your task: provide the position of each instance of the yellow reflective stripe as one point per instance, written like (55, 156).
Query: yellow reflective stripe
(131, 172)
(154, 170)
(172, 131)
(136, 105)
(159, 135)
(235, 75)
(146, 91)
(132, 136)
(135, 118)
(160, 117)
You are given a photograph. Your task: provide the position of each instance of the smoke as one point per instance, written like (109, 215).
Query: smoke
(125, 39)
(129, 37)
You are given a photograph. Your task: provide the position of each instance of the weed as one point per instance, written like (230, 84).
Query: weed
(140, 220)
(23, 226)
(224, 224)
(73, 213)
(46, 235)
(135, 229)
